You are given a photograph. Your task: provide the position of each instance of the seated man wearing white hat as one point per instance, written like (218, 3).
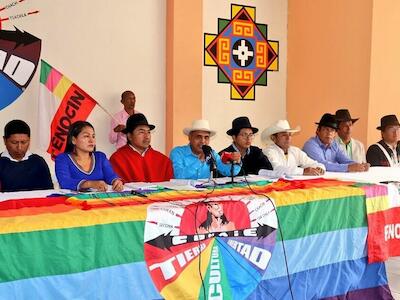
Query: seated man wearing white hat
(190, 161)
(284, 157)
(242, 134)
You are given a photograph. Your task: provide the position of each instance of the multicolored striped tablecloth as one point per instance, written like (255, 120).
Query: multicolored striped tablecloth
(104, 246)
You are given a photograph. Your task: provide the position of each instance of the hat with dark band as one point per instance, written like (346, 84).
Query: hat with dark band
(389, 120)
(136, 120)
(343, 115)
(240, 123)
(328, 120)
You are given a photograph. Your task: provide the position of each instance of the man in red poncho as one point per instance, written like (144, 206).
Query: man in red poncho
(137, 161)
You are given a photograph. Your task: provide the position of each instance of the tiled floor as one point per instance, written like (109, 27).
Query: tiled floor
(393, 273)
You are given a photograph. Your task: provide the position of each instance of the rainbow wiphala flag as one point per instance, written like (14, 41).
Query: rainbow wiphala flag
(105, 246)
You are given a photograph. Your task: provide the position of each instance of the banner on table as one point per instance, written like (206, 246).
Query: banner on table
(218, 248)
(383, 211)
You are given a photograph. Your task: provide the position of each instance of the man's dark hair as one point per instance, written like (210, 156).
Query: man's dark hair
(16, 127)
(125, 94)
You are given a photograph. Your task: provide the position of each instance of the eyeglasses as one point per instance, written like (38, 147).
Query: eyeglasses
(247, 135)
(392, 129)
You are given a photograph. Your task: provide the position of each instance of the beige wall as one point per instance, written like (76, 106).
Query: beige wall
(105, 47)
(339, 54)
(385, 65)
(329, 46)
(270, 102)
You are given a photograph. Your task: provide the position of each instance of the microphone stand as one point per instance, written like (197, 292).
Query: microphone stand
(232, 173)
(213, 168)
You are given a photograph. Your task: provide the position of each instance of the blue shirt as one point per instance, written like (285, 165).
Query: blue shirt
(71, 176)
(332, 156)
(188, 166)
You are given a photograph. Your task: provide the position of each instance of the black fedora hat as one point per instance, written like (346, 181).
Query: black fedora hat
(328, 120)
(136, 120)
(343, 115)
(240, 123)
(388, 120)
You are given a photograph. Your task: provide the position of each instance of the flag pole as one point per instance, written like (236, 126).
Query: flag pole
(107, 112)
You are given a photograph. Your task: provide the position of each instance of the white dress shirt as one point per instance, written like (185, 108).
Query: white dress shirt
(293, 163)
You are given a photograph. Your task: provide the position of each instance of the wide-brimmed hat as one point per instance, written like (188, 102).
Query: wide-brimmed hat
(240, 123)
(328, 120)
(199, 125)
(343, 115)
(388, 120)
(134, 121)
(278, 126)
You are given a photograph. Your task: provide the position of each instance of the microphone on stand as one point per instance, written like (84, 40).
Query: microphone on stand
(210, 159)
(226, 158)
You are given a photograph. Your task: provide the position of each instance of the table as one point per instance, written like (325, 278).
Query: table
(122, 246)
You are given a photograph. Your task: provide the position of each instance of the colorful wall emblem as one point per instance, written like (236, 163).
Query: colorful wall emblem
(219, 249)
(19, 57)
(242, 52)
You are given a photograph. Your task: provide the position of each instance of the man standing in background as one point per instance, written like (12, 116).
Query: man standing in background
(118, 122)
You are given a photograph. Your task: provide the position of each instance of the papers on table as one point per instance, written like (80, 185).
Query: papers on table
(31, 194)
(374, 175)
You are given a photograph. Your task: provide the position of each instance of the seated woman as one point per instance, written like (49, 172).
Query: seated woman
(81, 167)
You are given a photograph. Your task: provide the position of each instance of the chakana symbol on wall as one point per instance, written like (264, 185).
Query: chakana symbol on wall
(242, 52)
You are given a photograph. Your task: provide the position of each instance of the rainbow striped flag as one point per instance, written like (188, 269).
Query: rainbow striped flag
(57, 247)
(61, 103)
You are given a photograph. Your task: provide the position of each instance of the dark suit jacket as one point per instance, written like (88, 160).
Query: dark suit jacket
(252, 162)
(376, 157)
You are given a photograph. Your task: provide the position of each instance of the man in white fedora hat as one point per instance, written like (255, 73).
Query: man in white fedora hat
(193, 160)
(284, 157)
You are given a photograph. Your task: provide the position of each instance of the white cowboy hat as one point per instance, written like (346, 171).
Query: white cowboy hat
(278, 126)
(199, 125)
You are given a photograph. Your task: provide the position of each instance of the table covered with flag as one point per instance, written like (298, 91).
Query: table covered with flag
(168, 244)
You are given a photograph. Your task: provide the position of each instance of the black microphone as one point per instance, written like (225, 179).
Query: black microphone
(207, 150)
(211, 159)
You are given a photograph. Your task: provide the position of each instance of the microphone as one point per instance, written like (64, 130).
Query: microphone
(210, 159)
(207, 150)
(226, 157)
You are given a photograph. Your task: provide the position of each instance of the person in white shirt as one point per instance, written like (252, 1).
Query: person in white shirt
(284, 157)
(352, 147)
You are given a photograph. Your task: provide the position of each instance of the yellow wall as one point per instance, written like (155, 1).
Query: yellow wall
(384, 92)
(270, 101)
(329, 46)
(184, 62)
